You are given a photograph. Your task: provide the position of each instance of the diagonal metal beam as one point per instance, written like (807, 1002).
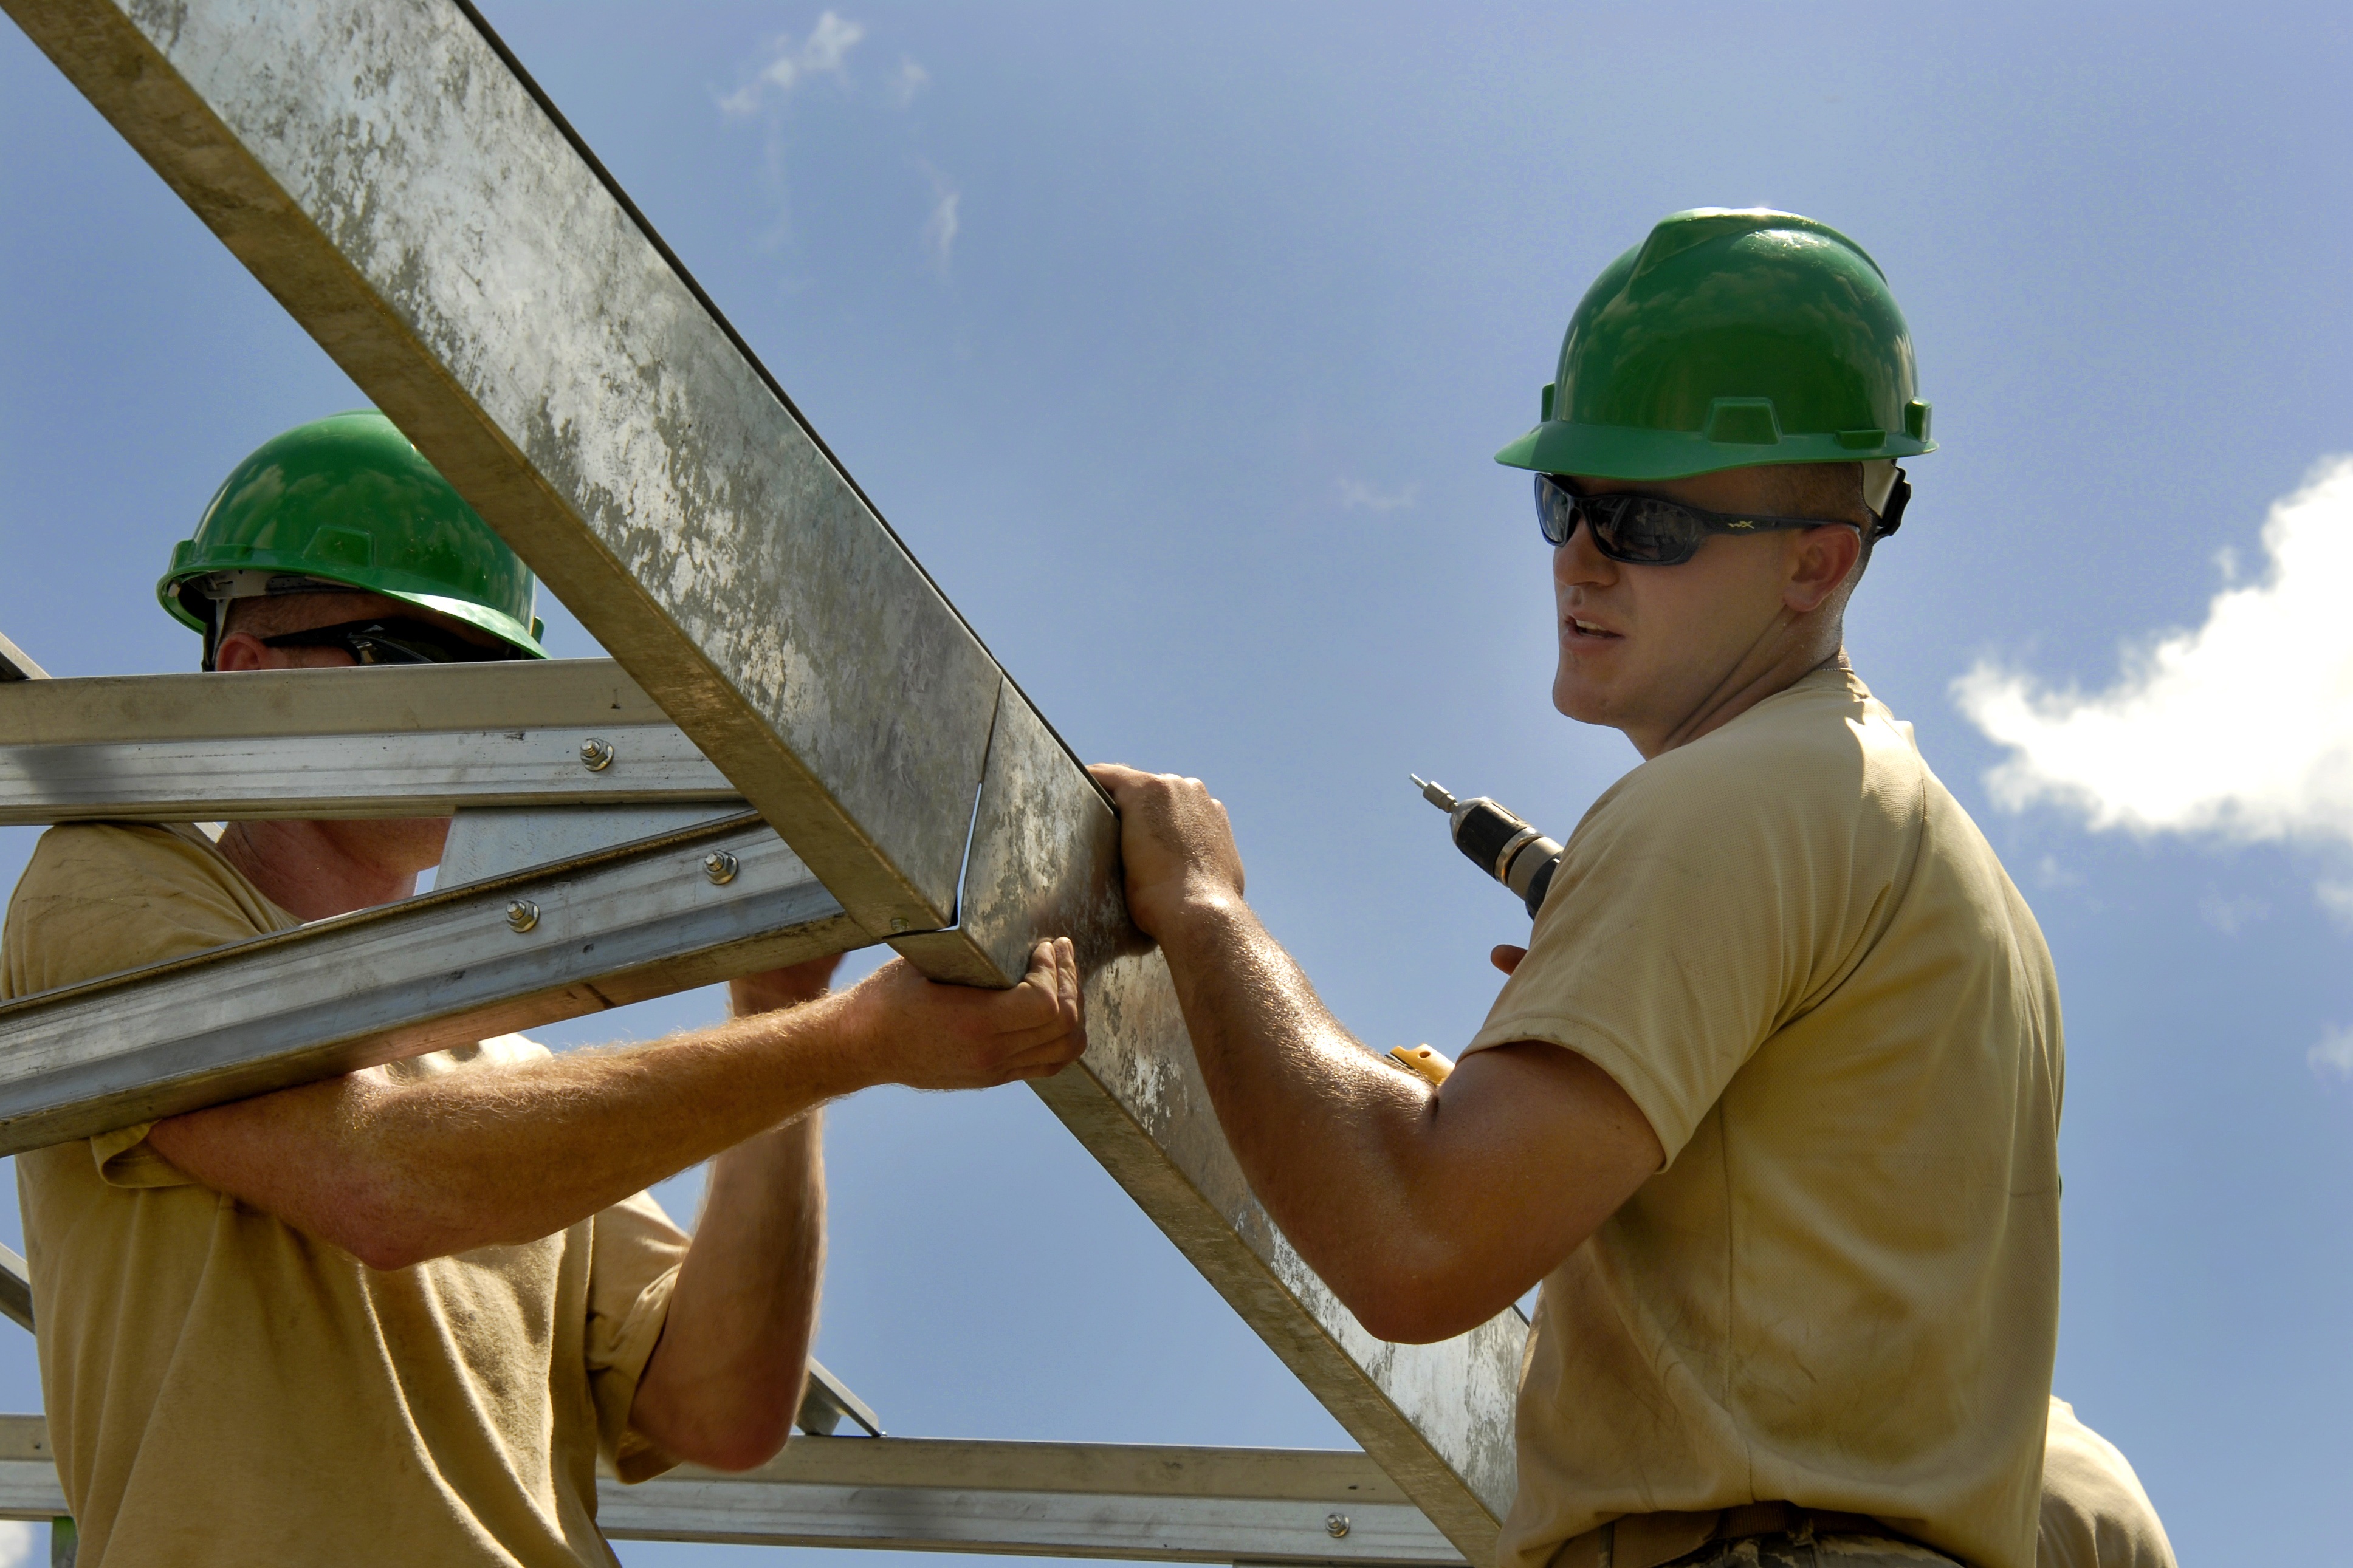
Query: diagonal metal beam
(422, 211)
(16, 665)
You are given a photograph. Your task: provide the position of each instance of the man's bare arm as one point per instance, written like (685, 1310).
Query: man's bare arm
(725, 1381)
(1427, 1210)
(397, 1172)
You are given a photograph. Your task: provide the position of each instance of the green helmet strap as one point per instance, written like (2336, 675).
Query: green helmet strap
(1728, 339)
(346, 503)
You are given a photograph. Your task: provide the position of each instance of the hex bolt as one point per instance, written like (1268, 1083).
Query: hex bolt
(1335, 1525)
(719, 867)
(596, 755)
(522, 915)
(898, 922)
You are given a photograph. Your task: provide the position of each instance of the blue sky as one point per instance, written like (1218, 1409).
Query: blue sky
(1175, 341)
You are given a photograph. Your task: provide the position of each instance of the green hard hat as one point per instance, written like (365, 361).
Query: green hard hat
(1727, 339)
(348, 501)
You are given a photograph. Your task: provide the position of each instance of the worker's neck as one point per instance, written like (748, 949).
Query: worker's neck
(315, 869)
(1745, 686)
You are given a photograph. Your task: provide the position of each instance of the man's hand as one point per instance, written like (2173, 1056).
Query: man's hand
(1175, 842)
(907, 1030)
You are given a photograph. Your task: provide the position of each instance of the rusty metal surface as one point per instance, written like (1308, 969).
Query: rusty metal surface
(385, 175)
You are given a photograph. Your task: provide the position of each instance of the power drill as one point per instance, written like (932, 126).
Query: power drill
(1498, 843)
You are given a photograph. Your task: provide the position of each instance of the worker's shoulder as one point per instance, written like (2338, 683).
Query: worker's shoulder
(98, 897)
(97, 860)
(2094, 1512)
(1825, 745)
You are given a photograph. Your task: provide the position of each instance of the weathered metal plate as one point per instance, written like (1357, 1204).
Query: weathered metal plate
(404, 194)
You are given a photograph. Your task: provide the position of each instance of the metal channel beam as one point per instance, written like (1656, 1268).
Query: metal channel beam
(396, 774)
(428, 973)
(1067, 1499)
(426, 215)
(420, 741)
(520, 694)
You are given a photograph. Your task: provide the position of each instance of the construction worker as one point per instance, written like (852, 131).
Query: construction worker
(397, 1317)
(1770, 1103)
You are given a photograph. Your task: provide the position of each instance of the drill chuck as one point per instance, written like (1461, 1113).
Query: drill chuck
(1499, 843)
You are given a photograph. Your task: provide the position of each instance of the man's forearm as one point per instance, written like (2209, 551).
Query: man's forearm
(399, 1171)
(725, 1380)
(1327, 1134)
(1425, 1211)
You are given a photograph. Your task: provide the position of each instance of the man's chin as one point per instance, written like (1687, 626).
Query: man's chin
(1579, 701)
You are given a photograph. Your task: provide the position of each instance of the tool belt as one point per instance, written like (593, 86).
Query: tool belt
(1648, 1540)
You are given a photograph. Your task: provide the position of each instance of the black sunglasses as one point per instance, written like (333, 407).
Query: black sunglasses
(396, 639)
(1648, 531)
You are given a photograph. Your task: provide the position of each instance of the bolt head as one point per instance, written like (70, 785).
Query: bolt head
(719, 867)
(596, 755)
(898, 922)
(521, 914)
(1335, 1525)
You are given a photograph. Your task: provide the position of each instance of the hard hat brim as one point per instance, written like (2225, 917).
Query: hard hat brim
(504, 628)
(1626, 452)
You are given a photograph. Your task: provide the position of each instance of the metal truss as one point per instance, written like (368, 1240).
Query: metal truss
(387, 171)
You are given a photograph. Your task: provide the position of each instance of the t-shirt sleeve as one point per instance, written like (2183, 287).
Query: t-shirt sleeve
(633, 1265)
(1675, 936)
(98, 898)
(2094, 1513)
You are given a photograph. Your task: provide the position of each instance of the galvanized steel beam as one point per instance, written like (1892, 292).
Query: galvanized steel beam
(445, 969)
(394, 774)
(431, 222)
(522, 694)
(1064, 1499)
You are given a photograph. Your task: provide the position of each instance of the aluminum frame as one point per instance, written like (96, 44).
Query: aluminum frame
(421, 209)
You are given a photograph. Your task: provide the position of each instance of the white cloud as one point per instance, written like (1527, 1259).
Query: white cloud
(910, 80)
(940, 227)
(18, 1543)
(1356, 493)
(822, 53)
(2334, 1054)
(2243, 727)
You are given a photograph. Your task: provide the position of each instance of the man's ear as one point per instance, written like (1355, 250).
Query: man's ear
(1820, 562)
(243, 650)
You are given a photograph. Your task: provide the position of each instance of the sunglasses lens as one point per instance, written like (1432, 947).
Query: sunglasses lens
(1556, 510)
(1644, 531)
(1639, 530)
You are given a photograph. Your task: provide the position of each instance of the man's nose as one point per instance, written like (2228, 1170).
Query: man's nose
(1577, 561)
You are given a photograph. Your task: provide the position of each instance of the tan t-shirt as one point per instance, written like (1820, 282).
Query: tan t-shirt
(1797, 954)
(2095, 1513)
(222, 1390)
